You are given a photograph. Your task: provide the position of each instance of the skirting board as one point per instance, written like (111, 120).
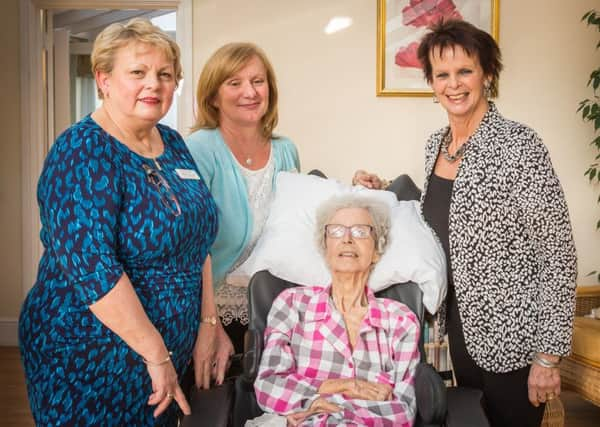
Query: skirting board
(8, 331)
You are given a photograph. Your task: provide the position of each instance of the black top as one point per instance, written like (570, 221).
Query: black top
(436, 210)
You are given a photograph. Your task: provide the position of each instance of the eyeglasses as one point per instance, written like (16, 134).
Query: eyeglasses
(167, 197)
(357, 231)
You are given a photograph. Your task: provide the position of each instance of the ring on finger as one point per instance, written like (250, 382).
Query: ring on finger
(170, 396)
(550, 396)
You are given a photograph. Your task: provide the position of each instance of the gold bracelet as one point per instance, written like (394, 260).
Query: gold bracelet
(162, 362)
(209, 319)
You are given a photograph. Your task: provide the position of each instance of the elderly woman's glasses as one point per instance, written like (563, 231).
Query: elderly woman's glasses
(167, 197)
(357, 231)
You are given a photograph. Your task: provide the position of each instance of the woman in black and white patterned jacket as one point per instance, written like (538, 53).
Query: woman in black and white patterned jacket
(495, 202)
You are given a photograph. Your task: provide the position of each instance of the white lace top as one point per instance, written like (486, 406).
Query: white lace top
(232, 296)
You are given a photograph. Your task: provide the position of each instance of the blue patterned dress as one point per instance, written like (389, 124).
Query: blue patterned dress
(102, 217)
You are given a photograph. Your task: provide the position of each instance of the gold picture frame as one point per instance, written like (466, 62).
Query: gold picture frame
(398, 70)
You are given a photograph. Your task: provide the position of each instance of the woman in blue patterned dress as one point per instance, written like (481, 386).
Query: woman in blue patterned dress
(126, 224)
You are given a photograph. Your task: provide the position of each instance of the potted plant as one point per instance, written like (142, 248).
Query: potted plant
(590, 112)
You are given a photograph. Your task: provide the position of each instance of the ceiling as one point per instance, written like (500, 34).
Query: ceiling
(85, 24)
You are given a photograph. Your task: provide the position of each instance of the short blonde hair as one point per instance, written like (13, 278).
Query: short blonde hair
(224, 63)
(137, 30)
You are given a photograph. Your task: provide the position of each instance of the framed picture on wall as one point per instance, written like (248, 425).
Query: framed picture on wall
(400, 26)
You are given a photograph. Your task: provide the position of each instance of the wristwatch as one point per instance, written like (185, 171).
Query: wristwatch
(209, 319)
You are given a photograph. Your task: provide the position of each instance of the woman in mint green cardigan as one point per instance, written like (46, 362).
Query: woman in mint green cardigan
(238, 157)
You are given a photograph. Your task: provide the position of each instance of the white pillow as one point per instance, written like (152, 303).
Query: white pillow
(287, 246)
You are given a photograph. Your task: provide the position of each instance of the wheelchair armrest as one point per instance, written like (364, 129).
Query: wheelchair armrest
(430, 392)
(465, 408)
(253, 344)
(210, 407)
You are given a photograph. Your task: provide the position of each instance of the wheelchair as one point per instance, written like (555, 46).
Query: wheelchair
(232, 404)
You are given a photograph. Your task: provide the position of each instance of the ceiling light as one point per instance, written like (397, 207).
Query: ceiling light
(337, 23)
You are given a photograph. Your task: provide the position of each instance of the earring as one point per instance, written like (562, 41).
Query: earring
(435, 99)
(487, 91)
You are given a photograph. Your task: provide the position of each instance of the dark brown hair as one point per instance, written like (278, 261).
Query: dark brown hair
(452, 33)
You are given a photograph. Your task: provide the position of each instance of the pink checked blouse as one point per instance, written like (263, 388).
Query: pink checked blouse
(306, 343)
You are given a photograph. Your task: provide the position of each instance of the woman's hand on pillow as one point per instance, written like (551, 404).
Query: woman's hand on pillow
(366, 179)
(357, 389)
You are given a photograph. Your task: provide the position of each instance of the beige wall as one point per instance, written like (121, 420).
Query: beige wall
(10, 163)
(327, 89)
(329, 108)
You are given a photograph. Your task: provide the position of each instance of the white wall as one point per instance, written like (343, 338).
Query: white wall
(327, 89)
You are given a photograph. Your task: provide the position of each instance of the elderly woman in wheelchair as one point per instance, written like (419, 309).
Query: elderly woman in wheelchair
(336, 354)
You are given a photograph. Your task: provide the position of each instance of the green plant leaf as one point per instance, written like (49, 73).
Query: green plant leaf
(592, 273)
(590, 112)
(582, 104)
(586, 112)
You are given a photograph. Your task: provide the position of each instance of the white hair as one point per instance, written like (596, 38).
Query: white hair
(379, 212)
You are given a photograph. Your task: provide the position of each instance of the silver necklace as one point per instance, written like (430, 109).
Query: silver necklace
(457, 154)
(248, 157)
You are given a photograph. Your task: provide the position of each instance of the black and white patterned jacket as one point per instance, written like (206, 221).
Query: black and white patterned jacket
(511, 247)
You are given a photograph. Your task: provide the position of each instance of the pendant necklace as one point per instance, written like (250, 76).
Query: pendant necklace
(151, 156)
(446, 140)
(248, 161)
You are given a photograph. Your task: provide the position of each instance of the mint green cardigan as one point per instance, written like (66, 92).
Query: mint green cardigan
(222, 175)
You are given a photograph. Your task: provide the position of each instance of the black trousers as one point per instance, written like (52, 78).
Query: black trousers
(506, 399)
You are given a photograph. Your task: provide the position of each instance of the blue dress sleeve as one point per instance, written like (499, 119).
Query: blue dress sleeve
(79, 193)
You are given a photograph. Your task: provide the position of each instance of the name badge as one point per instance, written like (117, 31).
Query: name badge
(187, 174)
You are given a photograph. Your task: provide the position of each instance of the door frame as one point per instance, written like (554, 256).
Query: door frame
(35, 99)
